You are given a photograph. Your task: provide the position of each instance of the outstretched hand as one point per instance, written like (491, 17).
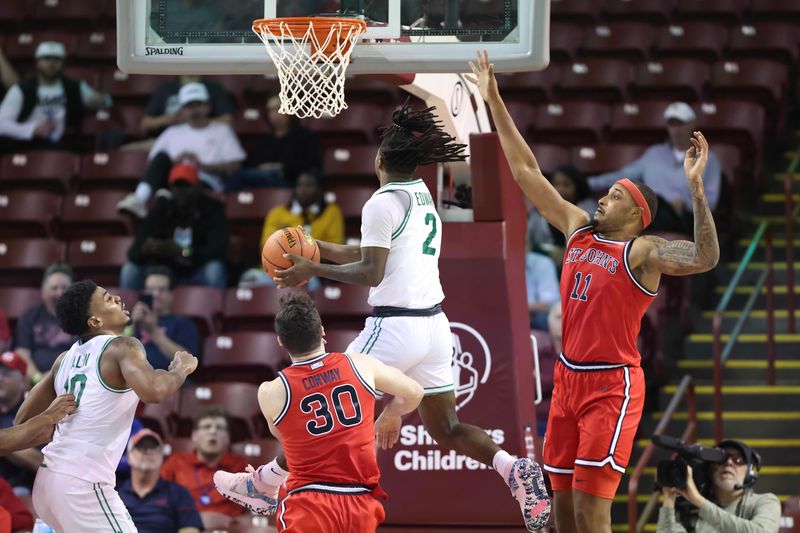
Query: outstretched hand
(696, 157)
(484, 78)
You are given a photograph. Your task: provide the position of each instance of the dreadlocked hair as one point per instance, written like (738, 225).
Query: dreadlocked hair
(416, 138)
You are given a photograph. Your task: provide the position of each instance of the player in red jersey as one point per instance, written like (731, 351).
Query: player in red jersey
(610, 275)
(322, 410)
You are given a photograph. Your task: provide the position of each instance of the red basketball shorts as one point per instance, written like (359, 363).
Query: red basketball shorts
(312, 511)
(594, 413)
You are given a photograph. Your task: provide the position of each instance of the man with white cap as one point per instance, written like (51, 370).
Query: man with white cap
(661, 169)
(211, 146)
(44, 109)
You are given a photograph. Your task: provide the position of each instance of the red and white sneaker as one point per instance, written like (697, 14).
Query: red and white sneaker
(247, 489)
(527, 486)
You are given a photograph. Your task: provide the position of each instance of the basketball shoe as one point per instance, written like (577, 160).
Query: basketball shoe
(527, 485)
(247, 489)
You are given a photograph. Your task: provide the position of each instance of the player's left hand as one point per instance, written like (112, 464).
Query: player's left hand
(690, 493)
(387, 430)
(297, 274)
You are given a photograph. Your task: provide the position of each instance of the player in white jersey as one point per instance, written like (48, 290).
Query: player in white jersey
(401, 237)
(107, 374)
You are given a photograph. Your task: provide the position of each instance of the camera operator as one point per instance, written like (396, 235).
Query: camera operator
(731, 506)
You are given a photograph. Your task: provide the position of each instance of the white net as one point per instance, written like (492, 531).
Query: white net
(311, 67)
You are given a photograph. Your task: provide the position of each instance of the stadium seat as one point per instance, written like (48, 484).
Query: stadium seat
(128, 118)
(604, 80)
(639, 122)
(235, 85)
(23, 261)
(768, 40)
(724, 11)
(671, 79)
(28, 213)
(16, 300)
(258, 451)
(74, 12)
(354, 163)
(121, 85)
(621, 40)
(12, 12)
(692, 40)
(571, 122)
(565, 38)
(371, 90)
(730, 160)
(97, 45)
(45, 169)
(250, 123)
(790, 517)
(530, 87)
(22, 46)
(201, 304)
(777, 10)
(337, 340)
(121, 170)
(736, 122)
(653, 11)
(343, 306)
(358, 124)
(250, 309)
(351, 199)
(245, 356)
(759, 80)
(239, 399)
(522, 113)
(99, 258)
(93, 213)
(581, 11)
(161, 417)
(246, 211)
(90, 75)
(550, 156)
(599, 158)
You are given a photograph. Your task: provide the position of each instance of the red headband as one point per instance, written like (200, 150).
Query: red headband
(638, 198)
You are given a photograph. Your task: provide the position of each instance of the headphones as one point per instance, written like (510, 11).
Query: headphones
(752, 457)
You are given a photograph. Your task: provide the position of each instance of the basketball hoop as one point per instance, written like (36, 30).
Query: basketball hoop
(311, 55)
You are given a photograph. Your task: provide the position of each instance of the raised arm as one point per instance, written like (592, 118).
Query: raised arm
(682, 258)
(560, 213)
(151, 385)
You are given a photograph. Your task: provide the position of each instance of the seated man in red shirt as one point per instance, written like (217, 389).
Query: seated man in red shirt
(195, 470)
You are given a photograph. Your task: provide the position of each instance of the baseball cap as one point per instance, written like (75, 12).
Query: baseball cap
(681, 111)
(184, 172)
(50, 49)
(14, 361)
(192, 92)
(144, 434)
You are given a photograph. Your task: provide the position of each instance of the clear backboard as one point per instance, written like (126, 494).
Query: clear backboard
(215, 36)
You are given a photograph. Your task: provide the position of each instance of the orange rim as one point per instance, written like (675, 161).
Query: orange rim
(321, 26)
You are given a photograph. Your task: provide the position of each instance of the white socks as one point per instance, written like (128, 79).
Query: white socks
(143, 192)
(503, 462)
(272, 474)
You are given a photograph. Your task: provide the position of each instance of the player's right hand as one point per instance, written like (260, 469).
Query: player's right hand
(183, 362)
(60, 407)
(484, 78)
(387, 430)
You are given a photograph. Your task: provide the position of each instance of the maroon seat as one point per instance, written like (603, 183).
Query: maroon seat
(251, 309)
(99, 258)
(522, 113)
(790, 517)
(337, 340)
(23, 261)
(46, 169)
(582, 11)
(730, 160)
(239, 399)
(356, 125)
(571, 122)
(246, 211)
(113, 170)
(737, 122)
(599, 158)
(48, 10)
(97, 45)
(122, 85)
(622, 40)
(258, 451)
(12, 12)
(777, 10)
(637, 122)
(692, 40)
(769, 40)
(162, 417)
(22, 46)
(201, 304)
(16, 300)
(128, 117)
(246, 356)
(250, 123)
(550, 156)
(28, 213)
(671, 79)
(371, 90)
(565, 38)
(234, 84)
(351, 199)
(530, 87)
(653, 11)
(723, 11)
(759, 80)
(354, 163)
(93, 213)
(596, 80)
(343, 306)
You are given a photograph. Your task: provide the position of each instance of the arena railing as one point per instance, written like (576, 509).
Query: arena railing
(685, 388)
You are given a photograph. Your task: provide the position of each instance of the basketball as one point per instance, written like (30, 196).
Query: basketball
(287, 241)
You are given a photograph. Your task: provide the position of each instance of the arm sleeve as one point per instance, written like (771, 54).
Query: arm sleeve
(712, 181)
(634, 171)
(766, 517)
(185, 509)
(186, 335)
(23, 337)
(380, 216)
(9, 111)
(668, 522)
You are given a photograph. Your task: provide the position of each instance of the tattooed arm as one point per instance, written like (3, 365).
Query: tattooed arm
(682, 258)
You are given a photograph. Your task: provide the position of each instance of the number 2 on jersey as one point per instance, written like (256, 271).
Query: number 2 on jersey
(427, 249)
(576, 288)
(77, 382)
(323, 421)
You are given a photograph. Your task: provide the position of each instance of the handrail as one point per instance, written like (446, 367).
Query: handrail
(686, 387)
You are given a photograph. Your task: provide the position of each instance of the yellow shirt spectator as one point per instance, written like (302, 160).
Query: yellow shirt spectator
(326, 224)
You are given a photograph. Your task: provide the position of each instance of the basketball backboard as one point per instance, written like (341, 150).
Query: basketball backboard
(215, 36)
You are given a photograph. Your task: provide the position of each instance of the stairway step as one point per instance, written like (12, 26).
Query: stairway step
(742, 397)
(748, 345)
(744, 371)
(748, 289)
(739, 363)
(778, 197)
(780, 338)
(781, 176)
(761, 424)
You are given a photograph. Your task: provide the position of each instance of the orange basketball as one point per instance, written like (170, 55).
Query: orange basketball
(287, 241)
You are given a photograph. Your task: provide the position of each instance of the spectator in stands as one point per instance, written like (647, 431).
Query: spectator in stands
(18, 468)
(541, 281)
(572, 186)
(8, 76)
(47, 109)
(5, 332)
(211, 146)
(730, 506)
(186, 230)
(661, 169)
(155, 504)
(21, 517)
(281, 156)
(161, 332)
(39, 339)
(195, 470)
